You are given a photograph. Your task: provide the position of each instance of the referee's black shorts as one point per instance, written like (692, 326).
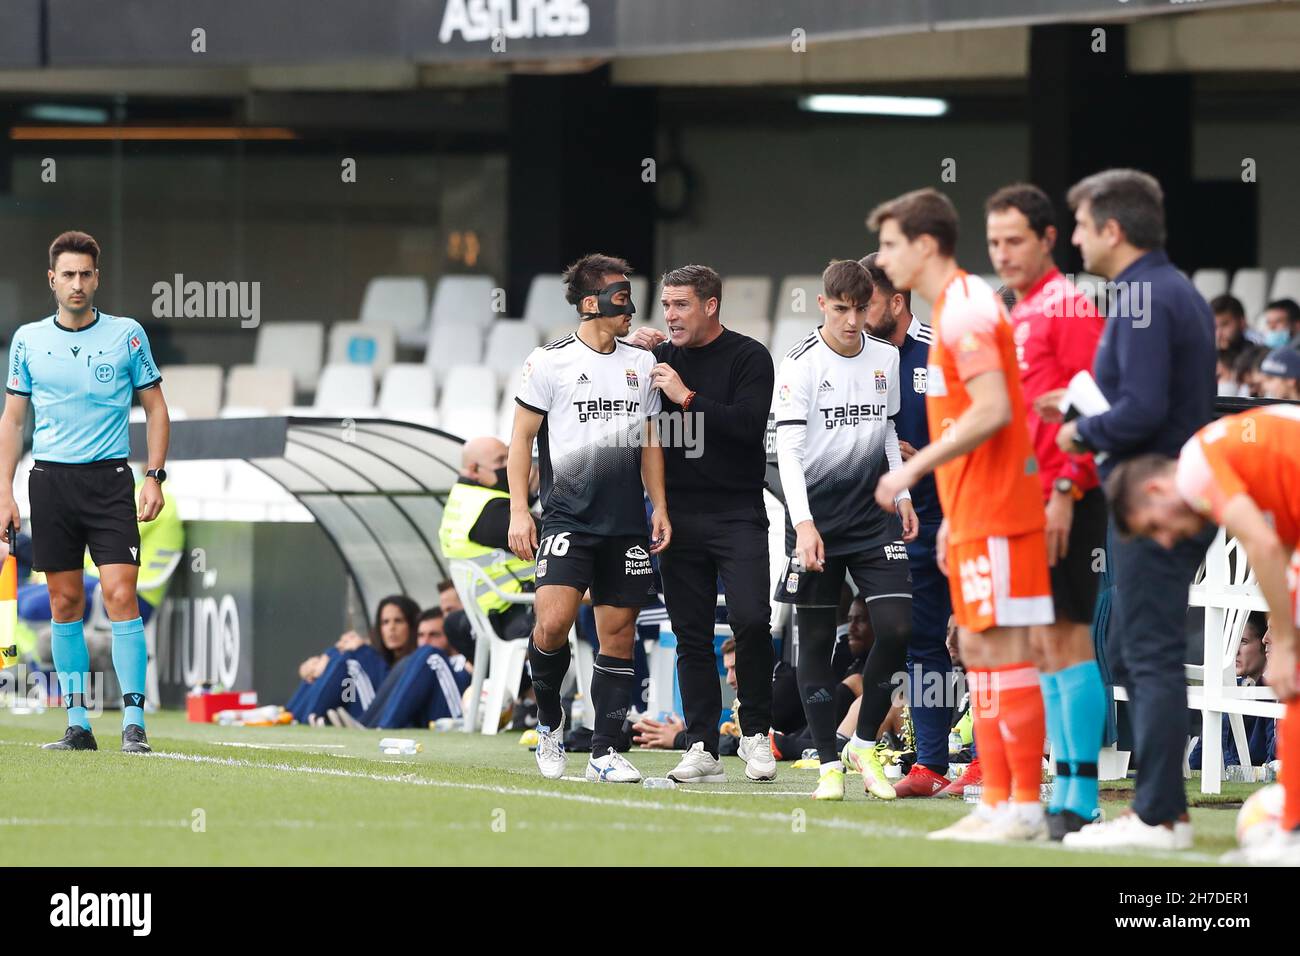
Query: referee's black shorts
(1075, 578)
(80, 506)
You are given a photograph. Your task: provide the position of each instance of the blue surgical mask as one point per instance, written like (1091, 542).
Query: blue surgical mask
(1277, 338)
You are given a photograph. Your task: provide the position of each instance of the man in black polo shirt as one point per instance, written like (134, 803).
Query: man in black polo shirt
(717, 388)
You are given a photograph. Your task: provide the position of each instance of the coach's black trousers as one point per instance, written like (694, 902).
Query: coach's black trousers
(1146, 645)
(733, 546)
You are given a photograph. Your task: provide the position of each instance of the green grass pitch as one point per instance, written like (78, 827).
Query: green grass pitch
(220, 796)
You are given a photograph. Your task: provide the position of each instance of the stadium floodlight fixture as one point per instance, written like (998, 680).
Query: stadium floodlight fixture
(66, 113)
(873, 105)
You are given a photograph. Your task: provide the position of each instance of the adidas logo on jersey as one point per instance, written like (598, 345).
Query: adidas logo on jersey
(583, 380)
(825, 386)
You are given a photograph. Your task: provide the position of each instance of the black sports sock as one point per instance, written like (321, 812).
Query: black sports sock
(548, 669)
(612, 684)
(891, 620)
(816, 681)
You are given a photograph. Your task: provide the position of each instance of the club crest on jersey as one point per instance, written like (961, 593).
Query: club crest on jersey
(104, 372)
(783, 394)
(541, 568)
(632, 379)
(918, 380)
(882, 383)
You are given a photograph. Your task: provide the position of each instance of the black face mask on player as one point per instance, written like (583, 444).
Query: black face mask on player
(605, 304)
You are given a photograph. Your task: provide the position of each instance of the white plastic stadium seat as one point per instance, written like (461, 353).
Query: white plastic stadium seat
(798, 299)
(1210, 282)
(1250, 286)
(344, 389)
(646, 310)
(296, 346)
(506, 414)
(399, 301)
(452, 344)
(545, 306)
(463, 300)
(1286, 284)
(745, 297)
(196, 389)
(407, 393)
(258, 387)
(372, 344)
(469, 401)
(788, 333)
(755, 328)
(509, 343)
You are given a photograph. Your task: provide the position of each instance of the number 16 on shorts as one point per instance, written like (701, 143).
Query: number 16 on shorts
(556, 544)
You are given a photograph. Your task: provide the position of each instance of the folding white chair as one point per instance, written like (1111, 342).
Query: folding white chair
(498, 662)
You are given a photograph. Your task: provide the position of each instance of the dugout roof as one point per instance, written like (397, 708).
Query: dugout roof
(376, 487)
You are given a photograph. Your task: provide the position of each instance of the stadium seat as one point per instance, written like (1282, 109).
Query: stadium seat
(1210, 282)
(509, 344)
(407, 393)
(399, 301)
(506, 415)
(756, 328)
(194, 388)
(545, 306)
(469, 401)
(798, 299)
(555, 332)
(1286, 284)
(746, 296)
(296, 346)
(345, 389)
(787, 334)
(258, 388)
(372, 344)
(1250, 286)
(463, 300)
(451, 344)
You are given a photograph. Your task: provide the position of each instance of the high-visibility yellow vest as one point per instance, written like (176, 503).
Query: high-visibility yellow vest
(465, 504)
(9, 611)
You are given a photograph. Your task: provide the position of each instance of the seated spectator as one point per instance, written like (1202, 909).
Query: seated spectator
(1246, 370)
(1232, 332)
(1282, 324)
(425, 686)
(1280, 374)
(475, 526)
(347, 674)
(1261, 732)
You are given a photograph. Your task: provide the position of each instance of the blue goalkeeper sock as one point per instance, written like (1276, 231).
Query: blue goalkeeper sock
(1052, 705)
(71, 661)
(130, 660)
(1083, 698)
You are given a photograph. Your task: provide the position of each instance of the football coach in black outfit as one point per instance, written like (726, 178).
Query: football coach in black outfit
(717, 389)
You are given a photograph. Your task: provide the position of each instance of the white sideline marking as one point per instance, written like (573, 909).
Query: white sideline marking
(272, 746)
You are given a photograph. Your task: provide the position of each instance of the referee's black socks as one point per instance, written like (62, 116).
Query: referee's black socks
(613, 682)
(548, 670)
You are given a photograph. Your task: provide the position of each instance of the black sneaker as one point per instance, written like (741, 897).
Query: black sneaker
(134, 741)
(75, 737)
(1067, 821)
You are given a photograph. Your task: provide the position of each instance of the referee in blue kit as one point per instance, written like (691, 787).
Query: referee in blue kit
(78, 369)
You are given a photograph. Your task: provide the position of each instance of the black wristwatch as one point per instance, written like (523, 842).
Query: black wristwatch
(157, 474)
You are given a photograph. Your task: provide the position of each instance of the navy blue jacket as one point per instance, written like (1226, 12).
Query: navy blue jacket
(1155, 364)
(910, 422)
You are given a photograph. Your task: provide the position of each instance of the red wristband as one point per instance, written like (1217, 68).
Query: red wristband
(686, 403)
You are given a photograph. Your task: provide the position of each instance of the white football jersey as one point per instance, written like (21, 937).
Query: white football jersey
(845, 405)
(589, 447)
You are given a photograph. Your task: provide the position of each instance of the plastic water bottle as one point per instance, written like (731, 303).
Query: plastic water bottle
(972, 794)
(403, 746)
(954, 742)
(659, 783)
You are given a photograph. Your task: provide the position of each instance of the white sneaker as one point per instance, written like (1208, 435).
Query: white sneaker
(698, 766)
(981, 825)
(1129, 832)
(756, 751)
(550, 751)
(1020, 826)
(611, 768)
(1281, 848)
